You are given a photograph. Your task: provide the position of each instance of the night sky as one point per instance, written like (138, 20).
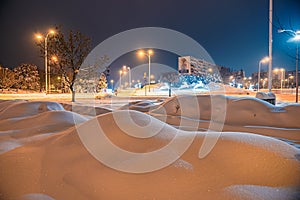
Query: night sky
(234, 32)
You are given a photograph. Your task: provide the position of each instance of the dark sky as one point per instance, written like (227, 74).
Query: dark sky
(234, 32)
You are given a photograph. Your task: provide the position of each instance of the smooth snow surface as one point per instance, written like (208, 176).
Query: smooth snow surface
(47, 152)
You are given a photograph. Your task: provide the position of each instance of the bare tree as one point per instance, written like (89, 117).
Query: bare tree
(70, 49)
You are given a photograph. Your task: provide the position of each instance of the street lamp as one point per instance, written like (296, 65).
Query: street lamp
(39, 37)
(129, 71)
(265, 81)
(231, 79)
(282, 71)
(276, 72)
(125, 69)
(264, 60)
(54, 59)
(290, 77)
(148, 54)
(296, 38)
(112, 84)
(120, 72)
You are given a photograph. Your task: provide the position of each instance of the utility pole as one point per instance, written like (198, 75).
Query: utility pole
(270, 45)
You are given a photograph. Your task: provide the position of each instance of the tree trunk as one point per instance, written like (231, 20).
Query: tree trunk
(73, 95)
(170, 89)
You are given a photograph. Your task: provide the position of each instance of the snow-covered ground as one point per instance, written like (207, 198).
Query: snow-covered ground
(186, 147)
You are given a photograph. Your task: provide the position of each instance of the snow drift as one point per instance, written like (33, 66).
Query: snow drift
(61, 166)
(246, 110)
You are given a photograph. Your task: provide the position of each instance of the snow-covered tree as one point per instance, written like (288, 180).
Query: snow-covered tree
(102, 82)
(7, 78)
(88, 78)
(26, 77)
(170, 78)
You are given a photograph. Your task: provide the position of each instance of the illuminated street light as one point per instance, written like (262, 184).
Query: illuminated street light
(282, 71)
(54, 59)
(120, 72)
(129, 71)
(295, 38)
(125, 69)
(265, 80)
(112, 84)
(290, 77)
(39, 37)
(141, 53)
(264, 60)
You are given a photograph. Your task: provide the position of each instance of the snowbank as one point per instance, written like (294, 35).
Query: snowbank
(61, 167)
(85, 110)
(21, 109)
(234, 110)
(142, 106)
(22, 122)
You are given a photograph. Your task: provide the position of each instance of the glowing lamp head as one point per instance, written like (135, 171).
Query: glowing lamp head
(54, 58)
(51, 32)
(39, 36)
(266, 59)
(141, 53)
(150, 52)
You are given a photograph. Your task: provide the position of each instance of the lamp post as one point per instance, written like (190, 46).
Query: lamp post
(264, 60)
(54, 59)
(129, 72)
(270, 44)
(39, 37)
(282, 70)
(290, 77)
(125, 69)
(265, 81)
(296, 38)
(276, 70)
(112, 84)
(120, 72)
(231, 78)
(148, 54)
